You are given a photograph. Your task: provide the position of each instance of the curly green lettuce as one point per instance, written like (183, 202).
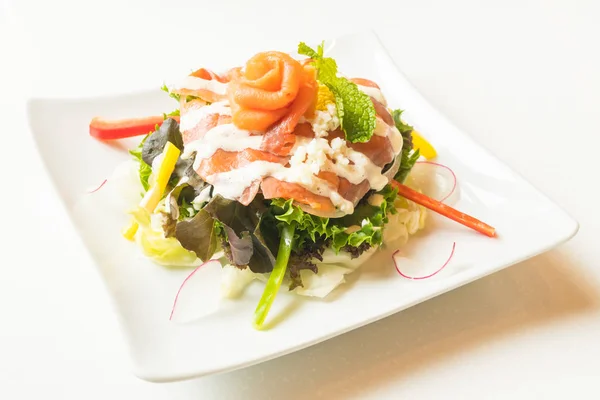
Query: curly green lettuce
(144, 169)
(409, 156)
(354, 233)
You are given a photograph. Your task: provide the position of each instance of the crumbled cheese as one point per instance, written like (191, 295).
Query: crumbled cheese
(325, 121)
(317, 151)
(299, 156)
(381, 128)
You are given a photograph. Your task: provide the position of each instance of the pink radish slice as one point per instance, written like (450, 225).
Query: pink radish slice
(199, 294)
(396, 262)
(434, 179)
(98, 188)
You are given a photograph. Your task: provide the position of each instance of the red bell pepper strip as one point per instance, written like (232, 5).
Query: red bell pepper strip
(444, 209)
(104, 129)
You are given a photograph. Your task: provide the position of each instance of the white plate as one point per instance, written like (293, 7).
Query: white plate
(527, 222)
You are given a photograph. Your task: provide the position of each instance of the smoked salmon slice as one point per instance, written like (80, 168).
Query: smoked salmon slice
(209, 75)
(203, 125)
(282, 144)
(198, 84)
(272, 87)
(255, 120)
(274, 188)
(268, 97)
(224, 161)
(271, 81)
(307, 95)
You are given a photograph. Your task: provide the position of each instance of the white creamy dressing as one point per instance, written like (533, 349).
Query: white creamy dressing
(203, 197)
(193, 117)
(361, 168)
(226, 137)
(231, 184)
(391, 132)
(308, 157)
(373, 92)
(195, 83)
(395, 139)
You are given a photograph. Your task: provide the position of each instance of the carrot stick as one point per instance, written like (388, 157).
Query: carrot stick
(444, 209)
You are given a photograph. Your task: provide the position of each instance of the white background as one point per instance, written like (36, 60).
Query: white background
(522, 77)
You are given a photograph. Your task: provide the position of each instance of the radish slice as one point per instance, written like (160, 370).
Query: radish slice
(396, 262)
(98, 188)
(441, 185)
(199, 294)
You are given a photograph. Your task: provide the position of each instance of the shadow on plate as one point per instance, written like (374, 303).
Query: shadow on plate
(522, 297)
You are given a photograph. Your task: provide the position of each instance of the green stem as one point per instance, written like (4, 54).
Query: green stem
(277, 275)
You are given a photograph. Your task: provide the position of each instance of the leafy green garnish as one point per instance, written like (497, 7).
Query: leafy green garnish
(409, 159)
(175, 96)
(355, 108)
(409, 156)
(185, 210)
(156, 141)
(174, 113)
(242, 227)
(367, 220)
(198, 235)
(144, 170)
(404, 128)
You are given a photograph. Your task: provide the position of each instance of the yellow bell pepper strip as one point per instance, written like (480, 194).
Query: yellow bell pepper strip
(424, 147)
(129, 231)
(277, 275)
(169, 156)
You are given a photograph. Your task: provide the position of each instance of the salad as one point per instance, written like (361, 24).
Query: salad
(283, 170)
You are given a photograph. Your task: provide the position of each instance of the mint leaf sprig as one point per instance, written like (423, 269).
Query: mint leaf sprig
(355, 108)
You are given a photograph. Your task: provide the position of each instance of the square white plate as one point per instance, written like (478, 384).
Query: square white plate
(527, 222)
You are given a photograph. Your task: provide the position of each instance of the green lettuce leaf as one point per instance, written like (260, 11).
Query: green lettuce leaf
(241, 248)
(155, 143)
(241, 224)
(174, 96)
(409, 156)
(144, 169)
(367, 222)
(355, 108)
(409, 159)
(314, 234)
(174, 113)
(198, 235)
